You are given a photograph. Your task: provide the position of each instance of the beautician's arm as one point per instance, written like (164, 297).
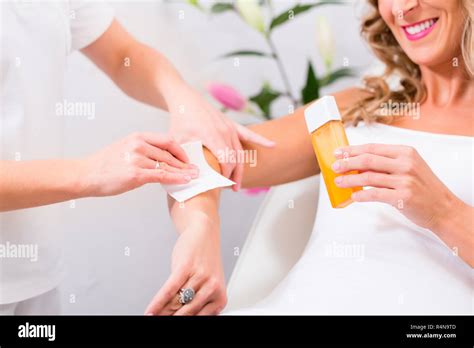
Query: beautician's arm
(26, 184)
(146, 75)
(127, 164)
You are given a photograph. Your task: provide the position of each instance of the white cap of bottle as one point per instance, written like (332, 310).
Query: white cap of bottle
(320, 112)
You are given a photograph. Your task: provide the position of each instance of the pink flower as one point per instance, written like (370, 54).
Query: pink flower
(227, 96)
(256, 190)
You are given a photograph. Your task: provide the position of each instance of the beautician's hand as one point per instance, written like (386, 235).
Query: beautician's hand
(132, 162)
(196, 263)
(400, 177)
(193, 118)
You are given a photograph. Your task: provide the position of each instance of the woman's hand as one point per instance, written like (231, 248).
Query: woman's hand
(399, 177)
(193, 118)
(196, 263)
(132, 162)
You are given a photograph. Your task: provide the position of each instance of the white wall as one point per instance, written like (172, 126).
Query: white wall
(101, 277)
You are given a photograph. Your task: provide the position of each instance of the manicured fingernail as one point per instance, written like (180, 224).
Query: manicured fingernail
(336, 165)
(149, 313)
(194, 174)
(338, 152)
(187, 178)
(338, 180)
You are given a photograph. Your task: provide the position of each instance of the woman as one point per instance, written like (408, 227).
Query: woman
(415, 227)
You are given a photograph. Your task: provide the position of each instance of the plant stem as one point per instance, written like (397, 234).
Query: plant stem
(281, 68)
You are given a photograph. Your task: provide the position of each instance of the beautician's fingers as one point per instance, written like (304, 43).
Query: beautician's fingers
(250, 136)
(163, 177)
(193, 173)
(160, 155)
(140, 161)
(365, 162)
(167, 292)
(387, 150)
(382, 195)
(166, 142)
(150, 175)
(143, 162)
(368, 178)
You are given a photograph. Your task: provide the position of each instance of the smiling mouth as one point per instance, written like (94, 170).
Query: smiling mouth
(419, 30)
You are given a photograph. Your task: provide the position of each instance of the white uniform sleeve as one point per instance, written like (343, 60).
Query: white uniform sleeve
(88, 21)
(208, 178)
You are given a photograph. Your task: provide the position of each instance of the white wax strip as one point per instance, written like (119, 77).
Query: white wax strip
(208, 178)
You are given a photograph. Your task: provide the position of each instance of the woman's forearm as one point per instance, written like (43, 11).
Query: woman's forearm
(292, 158)
(27, 184)
(201, 209)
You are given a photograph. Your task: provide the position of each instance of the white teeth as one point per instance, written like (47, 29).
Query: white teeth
(415, 29)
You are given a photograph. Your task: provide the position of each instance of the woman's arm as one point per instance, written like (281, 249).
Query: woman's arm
(196, 259)
(291, 159)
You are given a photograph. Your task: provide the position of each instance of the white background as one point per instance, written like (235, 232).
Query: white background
(101, 278)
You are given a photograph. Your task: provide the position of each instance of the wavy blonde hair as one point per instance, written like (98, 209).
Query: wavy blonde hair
(383, 43)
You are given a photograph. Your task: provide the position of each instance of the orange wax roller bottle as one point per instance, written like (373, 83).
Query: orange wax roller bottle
(327, 134)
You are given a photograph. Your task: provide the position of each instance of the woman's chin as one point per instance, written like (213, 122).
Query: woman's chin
(427, 57)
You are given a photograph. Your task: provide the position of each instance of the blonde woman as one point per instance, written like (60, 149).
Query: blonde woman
(418, 255)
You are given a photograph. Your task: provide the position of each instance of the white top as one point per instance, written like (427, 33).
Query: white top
(369, 259)
(35, 39)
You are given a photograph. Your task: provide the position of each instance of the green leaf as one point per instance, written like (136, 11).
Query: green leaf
(246, 53)
(220, 7)
(264, 98)
(310, 91)
(293, 12)
(336, 75)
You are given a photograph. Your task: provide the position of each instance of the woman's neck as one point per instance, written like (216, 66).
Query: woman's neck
(447, 84)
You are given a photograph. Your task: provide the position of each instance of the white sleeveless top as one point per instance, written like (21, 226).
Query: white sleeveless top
(369, 259)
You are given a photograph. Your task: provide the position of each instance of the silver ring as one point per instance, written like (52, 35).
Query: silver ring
(157, 165)
(186, 295)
